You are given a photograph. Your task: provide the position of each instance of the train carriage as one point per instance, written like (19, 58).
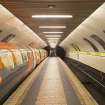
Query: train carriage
(15, 65)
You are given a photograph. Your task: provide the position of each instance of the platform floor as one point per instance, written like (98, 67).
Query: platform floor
(50, 85)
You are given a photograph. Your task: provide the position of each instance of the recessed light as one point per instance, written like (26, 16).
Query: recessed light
(52, 16)
(53, 32)
(52, 26)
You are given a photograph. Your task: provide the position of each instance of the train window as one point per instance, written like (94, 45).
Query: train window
(38, 55)
(75, 47)
(99, 40)
(7, 60)
(8, 37)
(18, 57)
(36, 58)
(24, 55)
(91, 44)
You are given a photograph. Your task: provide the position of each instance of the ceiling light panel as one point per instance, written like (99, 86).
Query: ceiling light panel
(53, 41)
(52, 16)
(53, 32)
(51, 27)
(53, 38)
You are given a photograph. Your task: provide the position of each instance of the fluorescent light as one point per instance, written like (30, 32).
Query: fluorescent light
(52, 16)
(53, 40)
(53, 36)
(53, 32)
(52, 26)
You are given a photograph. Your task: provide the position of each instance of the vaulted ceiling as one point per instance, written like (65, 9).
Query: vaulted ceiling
(79, 9)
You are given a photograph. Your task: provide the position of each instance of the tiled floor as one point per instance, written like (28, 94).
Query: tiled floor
(51, 90)
(51, 87)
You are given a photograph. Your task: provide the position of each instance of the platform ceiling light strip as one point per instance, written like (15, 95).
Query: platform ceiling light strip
(53, 40)
(51, 27)
(53, 36)
(56, 41)
(53, 32)
(52, 16)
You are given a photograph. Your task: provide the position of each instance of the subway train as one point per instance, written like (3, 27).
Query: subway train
(15, 65)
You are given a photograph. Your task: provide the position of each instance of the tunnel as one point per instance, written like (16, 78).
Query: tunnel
(52, 52)
(56, 52)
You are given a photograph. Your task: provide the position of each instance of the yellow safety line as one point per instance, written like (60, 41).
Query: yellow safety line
(101, 54)
(83, 95)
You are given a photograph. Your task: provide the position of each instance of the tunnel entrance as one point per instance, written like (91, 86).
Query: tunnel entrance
(58, 52)
(52, 52)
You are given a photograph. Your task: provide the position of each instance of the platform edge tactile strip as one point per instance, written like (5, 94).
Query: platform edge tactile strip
(18, 96)
(82, 93)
